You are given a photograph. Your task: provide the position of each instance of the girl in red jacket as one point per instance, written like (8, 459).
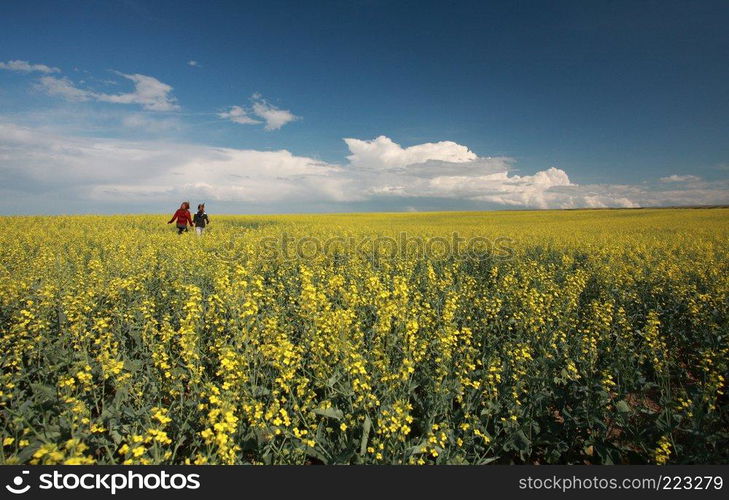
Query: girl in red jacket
(183, 217)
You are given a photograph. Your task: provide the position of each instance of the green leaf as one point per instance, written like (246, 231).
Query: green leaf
(116, 436)
(521, 441)
(622, 406)
(314, 453)
(44, 392)
(365, 435)
(258, 390)
(332, 380)
(334, 413)
(418, 448)
(28, 451)
(121, 395)
(132, 364)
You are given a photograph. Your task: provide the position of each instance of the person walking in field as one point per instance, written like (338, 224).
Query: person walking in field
(182, 215)
(201, 219)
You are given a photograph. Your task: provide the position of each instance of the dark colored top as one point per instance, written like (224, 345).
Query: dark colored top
(182, 216)
(201, 219)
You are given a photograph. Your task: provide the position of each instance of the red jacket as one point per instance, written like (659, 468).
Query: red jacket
(183, 217)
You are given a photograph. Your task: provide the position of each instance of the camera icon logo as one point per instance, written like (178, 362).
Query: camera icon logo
(18, 488)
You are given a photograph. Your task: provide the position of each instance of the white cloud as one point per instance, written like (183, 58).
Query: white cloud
(680, 178)
(36, 163)
(237, 114)
(383, 152)
(193, 63)
(273, 117)
(149, 92)
(448, 170)
(107, 170)
(26, 67)
(65, 88)
(501, 188)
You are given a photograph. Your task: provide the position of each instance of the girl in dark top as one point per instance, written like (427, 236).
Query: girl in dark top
(183, 217)
(201, 219)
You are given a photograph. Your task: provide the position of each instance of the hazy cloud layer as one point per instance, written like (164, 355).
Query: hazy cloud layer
(36, 162)
(150, 93)
(680, 178)
(150, 124)
(26, 67)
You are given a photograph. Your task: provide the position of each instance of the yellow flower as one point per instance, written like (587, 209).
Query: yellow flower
(662, 453)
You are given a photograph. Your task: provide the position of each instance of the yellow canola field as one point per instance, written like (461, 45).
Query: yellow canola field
(595, 336)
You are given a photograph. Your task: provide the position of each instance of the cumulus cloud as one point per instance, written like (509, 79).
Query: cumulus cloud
(445, 169)
(149, 92)
(680, 178)
(193, 63)
(502, 188)
(382, 152)
(273, 117)
(35, 162)
(26, 67)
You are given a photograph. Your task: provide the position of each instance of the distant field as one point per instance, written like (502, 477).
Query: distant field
(496, 337)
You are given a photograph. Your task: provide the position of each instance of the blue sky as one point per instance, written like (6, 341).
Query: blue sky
(128, 106)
